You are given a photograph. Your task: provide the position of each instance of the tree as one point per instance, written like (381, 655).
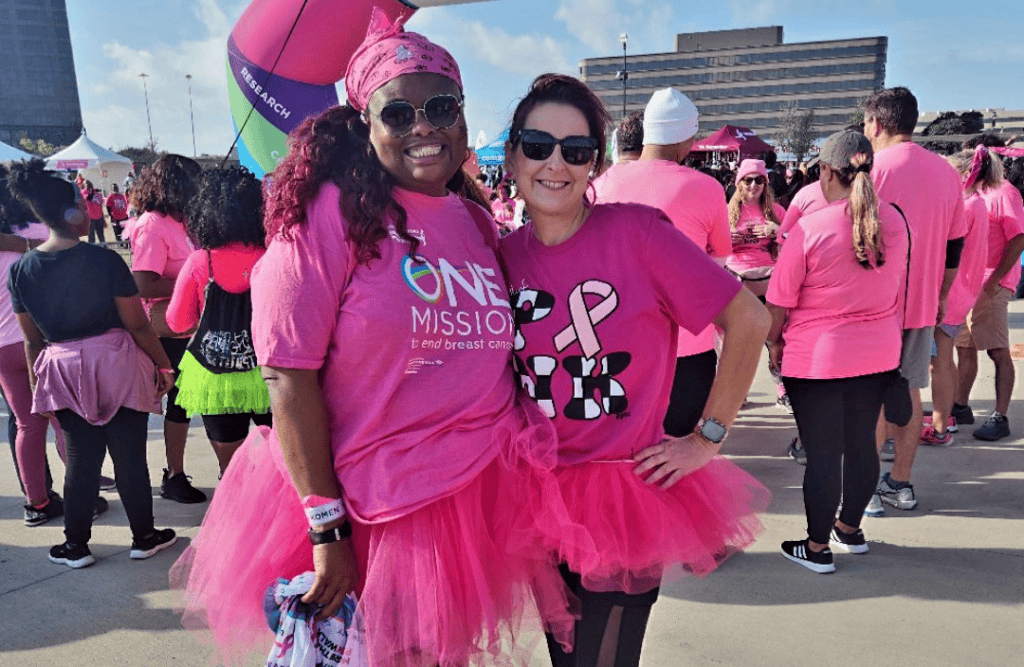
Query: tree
(950, 122)
(141, 157)
(797, 135)
(39, 147)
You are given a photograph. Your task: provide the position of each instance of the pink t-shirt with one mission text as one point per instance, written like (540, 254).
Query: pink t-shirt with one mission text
(232, 270)
(809, 199)
(414, 356)
(971, 274)
(843, 319)
(596, 323)
(160, 245)
(1006, 220)
(694, 202)
(752, 251)
(928, 191)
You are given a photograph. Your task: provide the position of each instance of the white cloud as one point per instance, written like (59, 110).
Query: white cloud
(596, 23)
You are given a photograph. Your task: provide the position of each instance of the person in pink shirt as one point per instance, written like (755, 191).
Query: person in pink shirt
(929, 192)
(834, 297)
(988, 323)
(382, 320)
(695, 203)
(962, 297)
(219, 377)
(809, 199)
(596, 324)
(160, 247)
(94, 205)
(117, 208)
(754, 219)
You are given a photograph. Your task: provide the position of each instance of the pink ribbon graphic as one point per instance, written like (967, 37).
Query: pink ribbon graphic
(584, 319)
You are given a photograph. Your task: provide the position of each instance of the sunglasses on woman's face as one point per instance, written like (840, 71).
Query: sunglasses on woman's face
(441, 111)
(754, 180)
(539, 145)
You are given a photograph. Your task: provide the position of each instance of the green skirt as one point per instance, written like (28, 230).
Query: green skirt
(201, 392)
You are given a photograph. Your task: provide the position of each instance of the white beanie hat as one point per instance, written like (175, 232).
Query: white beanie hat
(670, 118)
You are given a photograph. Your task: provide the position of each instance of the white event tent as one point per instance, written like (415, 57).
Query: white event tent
(95, 163)
(8, 153)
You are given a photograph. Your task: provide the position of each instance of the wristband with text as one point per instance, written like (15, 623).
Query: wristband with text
(321, 515)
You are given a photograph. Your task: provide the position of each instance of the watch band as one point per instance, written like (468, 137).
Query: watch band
(712, 430)
(341, 532)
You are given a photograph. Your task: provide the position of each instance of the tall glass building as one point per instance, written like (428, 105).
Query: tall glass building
(38, 87)
(748, 77)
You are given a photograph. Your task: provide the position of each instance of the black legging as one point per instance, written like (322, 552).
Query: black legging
(690, 390)
(836, 420)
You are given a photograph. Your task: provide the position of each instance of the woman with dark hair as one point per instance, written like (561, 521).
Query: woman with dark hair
(834, 297)
(599, 294)
(160, 246)
(94, 205)
(218, 377)
(382, 322)
(94, 361)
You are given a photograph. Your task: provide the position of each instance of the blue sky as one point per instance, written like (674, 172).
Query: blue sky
(951, 60)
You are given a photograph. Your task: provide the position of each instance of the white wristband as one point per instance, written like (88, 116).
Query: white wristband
(322, 515)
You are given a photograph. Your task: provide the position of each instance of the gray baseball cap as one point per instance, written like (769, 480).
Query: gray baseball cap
(841, 149)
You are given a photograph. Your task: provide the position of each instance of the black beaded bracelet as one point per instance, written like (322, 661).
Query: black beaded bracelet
(341, 532)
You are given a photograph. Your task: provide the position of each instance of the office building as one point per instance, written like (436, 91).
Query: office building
(38, 87)
(748, 77)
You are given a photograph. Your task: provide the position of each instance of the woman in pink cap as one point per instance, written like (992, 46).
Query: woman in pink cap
(382, 320)
(754, 218)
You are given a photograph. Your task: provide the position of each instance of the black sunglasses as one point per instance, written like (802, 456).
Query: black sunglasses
(441, 111)
(754, 180)
(539, 145)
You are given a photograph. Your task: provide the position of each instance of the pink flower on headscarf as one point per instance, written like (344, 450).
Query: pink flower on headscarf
(389, 52)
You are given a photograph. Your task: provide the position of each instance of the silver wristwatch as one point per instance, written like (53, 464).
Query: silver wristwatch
(712, 430)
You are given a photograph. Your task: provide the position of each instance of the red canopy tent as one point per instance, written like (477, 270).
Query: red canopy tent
(732, 139)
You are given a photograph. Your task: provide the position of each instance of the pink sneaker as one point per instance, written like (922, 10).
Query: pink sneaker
(929, 436)
(950, 423)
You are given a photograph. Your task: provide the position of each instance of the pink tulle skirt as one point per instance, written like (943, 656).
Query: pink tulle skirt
(632, 537)
(457, 582)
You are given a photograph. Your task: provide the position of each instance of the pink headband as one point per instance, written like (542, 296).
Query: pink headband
(389, 52)
(977, 162)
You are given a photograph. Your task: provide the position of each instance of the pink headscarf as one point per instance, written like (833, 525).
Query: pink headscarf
(389, 52)
(977, 162)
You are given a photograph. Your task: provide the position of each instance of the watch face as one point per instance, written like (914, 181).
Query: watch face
(713, 431)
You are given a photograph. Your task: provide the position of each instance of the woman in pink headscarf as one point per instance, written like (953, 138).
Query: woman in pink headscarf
(381, 318)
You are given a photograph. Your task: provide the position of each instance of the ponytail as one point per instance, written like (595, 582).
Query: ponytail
(867, 228)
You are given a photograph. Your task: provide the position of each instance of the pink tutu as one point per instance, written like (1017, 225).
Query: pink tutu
(631, 536)
(444, 585)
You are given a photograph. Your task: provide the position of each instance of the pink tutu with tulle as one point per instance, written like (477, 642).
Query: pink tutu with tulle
(453, 583)
(632, 537)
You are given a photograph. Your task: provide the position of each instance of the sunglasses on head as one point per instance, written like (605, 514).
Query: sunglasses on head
(754, 180)
(441, 111)
(539, 145)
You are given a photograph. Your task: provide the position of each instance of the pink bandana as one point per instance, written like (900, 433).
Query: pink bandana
(977, 162)
(389, 52)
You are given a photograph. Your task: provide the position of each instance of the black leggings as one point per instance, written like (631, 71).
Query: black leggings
(125, 437)
(610, 632)
(175, 349)
(836, 420)
(690, 390)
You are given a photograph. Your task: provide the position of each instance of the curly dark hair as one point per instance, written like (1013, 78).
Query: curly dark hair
(987, 139)
(167, 186)
(630, 135)
(46, 194)
(13, 213)
(563, 89)
(227, 208)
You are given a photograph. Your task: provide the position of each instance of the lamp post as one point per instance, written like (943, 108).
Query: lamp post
(152, 144)
(192, 115)
(624, 74)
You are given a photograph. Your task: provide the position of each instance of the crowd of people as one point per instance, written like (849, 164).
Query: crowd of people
(498, 403)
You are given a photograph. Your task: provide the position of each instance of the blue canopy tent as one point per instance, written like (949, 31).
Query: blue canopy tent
(493, 153)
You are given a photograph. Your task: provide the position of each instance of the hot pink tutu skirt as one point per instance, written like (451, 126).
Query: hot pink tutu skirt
(631, 537)
(444, 585)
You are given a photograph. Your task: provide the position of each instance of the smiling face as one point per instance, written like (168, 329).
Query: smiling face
(750, 189)
(425, 159)
(552, 187)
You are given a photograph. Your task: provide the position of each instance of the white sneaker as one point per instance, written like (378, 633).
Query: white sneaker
(874, 507)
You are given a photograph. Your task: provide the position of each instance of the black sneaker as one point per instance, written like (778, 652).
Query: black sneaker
(853, 543)
(798, 552)
(158, 540)
(797, 451)
(180, 490)
(38, 516)
(107, 483)
(996, 427)
(962, 414)
(72, 555)
(99, 506)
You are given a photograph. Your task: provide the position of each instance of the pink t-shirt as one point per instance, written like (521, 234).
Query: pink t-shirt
(161, 245)
(10, 331)
(1006, 220)
(232, 269)
(414, 356)
(694, 202)
(117, 204)
(596, 322)
(751, 250)
(843, 320)
(809, 199)
(928, 190)
(93, 204)
(971, 274)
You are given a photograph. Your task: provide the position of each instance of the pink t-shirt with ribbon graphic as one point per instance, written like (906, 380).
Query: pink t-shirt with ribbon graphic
(414, 354)
(597, 320)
